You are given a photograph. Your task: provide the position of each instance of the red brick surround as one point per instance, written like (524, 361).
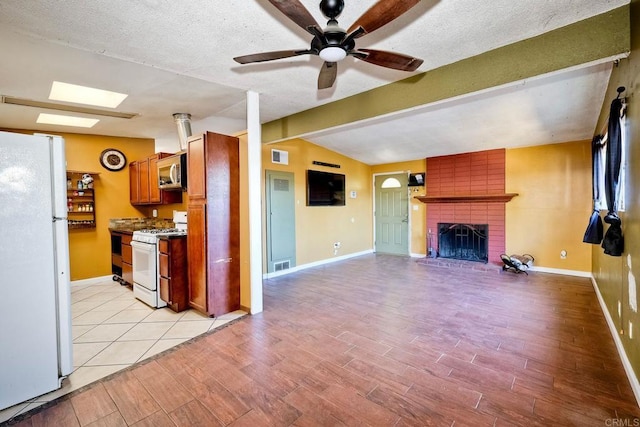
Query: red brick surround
(477, 173)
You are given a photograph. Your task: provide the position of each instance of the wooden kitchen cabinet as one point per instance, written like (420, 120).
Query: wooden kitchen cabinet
(134, 183)
(172, 261)
(155, 194)
(196, 249)
(127, 259)
(143, 177)
(213, 240)
(121, 257)
(143, 183)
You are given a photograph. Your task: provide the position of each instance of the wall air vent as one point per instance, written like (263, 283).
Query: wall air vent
(280, 157)
(282, 265)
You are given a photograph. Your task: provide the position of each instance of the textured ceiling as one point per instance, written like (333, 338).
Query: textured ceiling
(177, 57)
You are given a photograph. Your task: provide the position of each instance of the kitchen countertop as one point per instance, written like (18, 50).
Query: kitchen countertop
(133, 224)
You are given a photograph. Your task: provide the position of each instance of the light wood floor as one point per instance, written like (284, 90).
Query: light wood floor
(382, 341)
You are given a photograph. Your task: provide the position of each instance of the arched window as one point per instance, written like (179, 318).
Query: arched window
(391, 183)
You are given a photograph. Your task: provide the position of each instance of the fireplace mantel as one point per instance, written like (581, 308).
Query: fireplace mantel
(471, 198)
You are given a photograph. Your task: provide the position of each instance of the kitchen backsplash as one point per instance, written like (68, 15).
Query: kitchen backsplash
(129, 224)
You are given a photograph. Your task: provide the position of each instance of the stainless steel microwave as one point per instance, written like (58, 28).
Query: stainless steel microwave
(172, 172)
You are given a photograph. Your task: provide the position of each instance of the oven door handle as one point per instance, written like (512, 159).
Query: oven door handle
(147, 247)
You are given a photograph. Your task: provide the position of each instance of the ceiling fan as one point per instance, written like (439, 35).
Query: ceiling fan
(333, 43)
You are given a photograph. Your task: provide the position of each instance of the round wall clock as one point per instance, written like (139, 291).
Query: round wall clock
(112, 159)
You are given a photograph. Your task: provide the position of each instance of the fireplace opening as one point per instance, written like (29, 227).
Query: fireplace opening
(467, 242)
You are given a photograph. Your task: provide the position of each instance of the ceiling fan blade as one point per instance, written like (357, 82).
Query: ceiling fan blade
(328, 75)
(295, 11)
(380, 14)
(397, 61)
(269, 56)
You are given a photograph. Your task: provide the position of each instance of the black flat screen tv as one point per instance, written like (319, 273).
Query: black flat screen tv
(325, 188)
(416, 179)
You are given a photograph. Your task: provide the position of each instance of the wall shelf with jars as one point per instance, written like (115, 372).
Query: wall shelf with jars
(81, 199)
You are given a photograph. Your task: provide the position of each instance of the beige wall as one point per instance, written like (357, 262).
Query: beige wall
(318, 227)
(614, 275)
(553, 205)
(418, 236)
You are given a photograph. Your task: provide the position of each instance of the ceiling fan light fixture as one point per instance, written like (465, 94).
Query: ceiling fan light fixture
(333, 54)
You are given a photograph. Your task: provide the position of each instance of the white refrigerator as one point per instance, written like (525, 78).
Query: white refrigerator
(35, 310)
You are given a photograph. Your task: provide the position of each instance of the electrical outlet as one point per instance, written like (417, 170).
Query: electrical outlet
(563, 254)
(337, 245)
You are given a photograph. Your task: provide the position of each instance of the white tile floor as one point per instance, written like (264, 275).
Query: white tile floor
(112, 330)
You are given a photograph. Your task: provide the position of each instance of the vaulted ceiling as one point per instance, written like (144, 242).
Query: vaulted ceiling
(177, 57)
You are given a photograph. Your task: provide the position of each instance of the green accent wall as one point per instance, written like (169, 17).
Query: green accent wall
(602, 36)
(614, 275)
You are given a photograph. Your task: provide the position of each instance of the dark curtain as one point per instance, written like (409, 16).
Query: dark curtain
(613, 242)
(594, 232)
(614, 155)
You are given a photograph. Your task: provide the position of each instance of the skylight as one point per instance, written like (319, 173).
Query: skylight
(55, 119)
(85, 95)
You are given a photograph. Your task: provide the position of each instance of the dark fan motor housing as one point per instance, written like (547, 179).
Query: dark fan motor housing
(333, 43)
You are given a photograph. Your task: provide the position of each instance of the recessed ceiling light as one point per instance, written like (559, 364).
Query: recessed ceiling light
(56, 119)
(85, 95)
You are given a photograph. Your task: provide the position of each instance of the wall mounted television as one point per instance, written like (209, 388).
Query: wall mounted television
(325, 188)
(416, 179)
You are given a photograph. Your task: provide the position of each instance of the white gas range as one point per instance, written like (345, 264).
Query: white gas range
(144, 244)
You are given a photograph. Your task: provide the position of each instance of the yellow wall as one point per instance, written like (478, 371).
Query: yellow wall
(166, 211)
(615, 275)
(245, 250)
(551, 212)
(536, 220)
(418, 237)
(318, 227)
(90, 249)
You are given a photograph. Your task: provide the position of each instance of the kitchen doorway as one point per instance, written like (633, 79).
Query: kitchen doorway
(280, 221)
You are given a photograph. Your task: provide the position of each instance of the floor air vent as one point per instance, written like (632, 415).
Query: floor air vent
(282, 265)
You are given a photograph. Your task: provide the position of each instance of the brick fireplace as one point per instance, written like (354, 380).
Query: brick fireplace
(468, 189)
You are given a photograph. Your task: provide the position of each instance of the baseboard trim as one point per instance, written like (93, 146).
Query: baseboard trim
(626, 363)
(575, 273)
(91, 281)
(314, 264)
